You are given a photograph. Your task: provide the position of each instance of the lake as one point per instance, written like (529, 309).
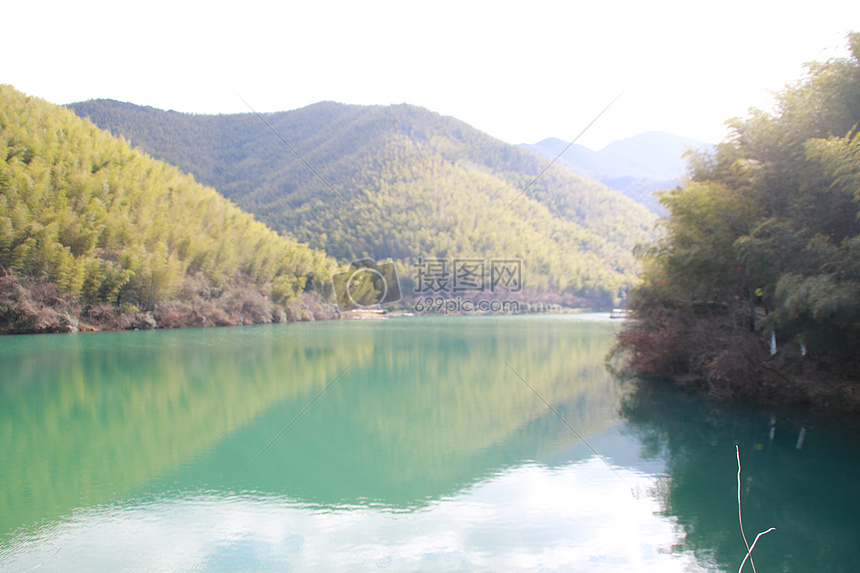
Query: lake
(412, 444)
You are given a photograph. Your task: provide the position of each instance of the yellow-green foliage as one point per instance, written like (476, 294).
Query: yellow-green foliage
(417, 185)
(770, 222)
(103, 418)
(80, 208)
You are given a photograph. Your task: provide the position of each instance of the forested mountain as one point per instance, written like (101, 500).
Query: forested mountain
(637, 166)
(755, 288)
(90, 222)
(405, 183)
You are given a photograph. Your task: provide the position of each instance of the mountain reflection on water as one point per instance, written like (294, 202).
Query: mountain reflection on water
(427, 453)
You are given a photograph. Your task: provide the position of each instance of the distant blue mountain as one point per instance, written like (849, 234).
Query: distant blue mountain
(637, 166)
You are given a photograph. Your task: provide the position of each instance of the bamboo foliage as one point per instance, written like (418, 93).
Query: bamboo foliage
(81, 209)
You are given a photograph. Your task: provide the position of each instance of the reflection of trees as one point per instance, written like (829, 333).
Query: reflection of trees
(427, 407)
(436, 408)
(83, 419)
(808, 494)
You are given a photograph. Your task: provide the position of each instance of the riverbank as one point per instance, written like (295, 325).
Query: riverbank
(28, 306)
(715, 355)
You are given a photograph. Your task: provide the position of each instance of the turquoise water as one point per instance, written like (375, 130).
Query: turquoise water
(413, 444)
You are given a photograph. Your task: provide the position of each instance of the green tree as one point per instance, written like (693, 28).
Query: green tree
(763, 238)
(104, 224)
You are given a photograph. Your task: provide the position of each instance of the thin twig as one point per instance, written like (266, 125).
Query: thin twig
(741, 522)
(749, 553)
(740, 517)
(777, 372)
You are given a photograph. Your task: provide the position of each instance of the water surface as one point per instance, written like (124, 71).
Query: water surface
(421, 444)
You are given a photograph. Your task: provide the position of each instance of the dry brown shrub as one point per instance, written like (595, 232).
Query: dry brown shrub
(30, 307)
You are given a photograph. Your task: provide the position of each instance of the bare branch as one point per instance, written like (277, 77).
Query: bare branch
(741, 522)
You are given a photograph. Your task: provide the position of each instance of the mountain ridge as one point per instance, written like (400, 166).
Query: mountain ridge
(636, 166)
(417, 184)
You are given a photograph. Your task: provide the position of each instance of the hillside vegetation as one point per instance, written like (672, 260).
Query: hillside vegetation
(89, 225)
(755, 289)
(413, 183)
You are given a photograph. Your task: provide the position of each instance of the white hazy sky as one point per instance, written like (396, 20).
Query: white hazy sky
(518, 71)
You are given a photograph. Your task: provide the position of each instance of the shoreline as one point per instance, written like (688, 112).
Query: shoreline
(31, 307)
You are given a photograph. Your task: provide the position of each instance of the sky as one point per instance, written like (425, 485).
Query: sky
(519, 71)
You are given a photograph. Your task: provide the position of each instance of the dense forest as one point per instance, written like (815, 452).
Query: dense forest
(402, 182)
(754, 290)
(94, 234)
